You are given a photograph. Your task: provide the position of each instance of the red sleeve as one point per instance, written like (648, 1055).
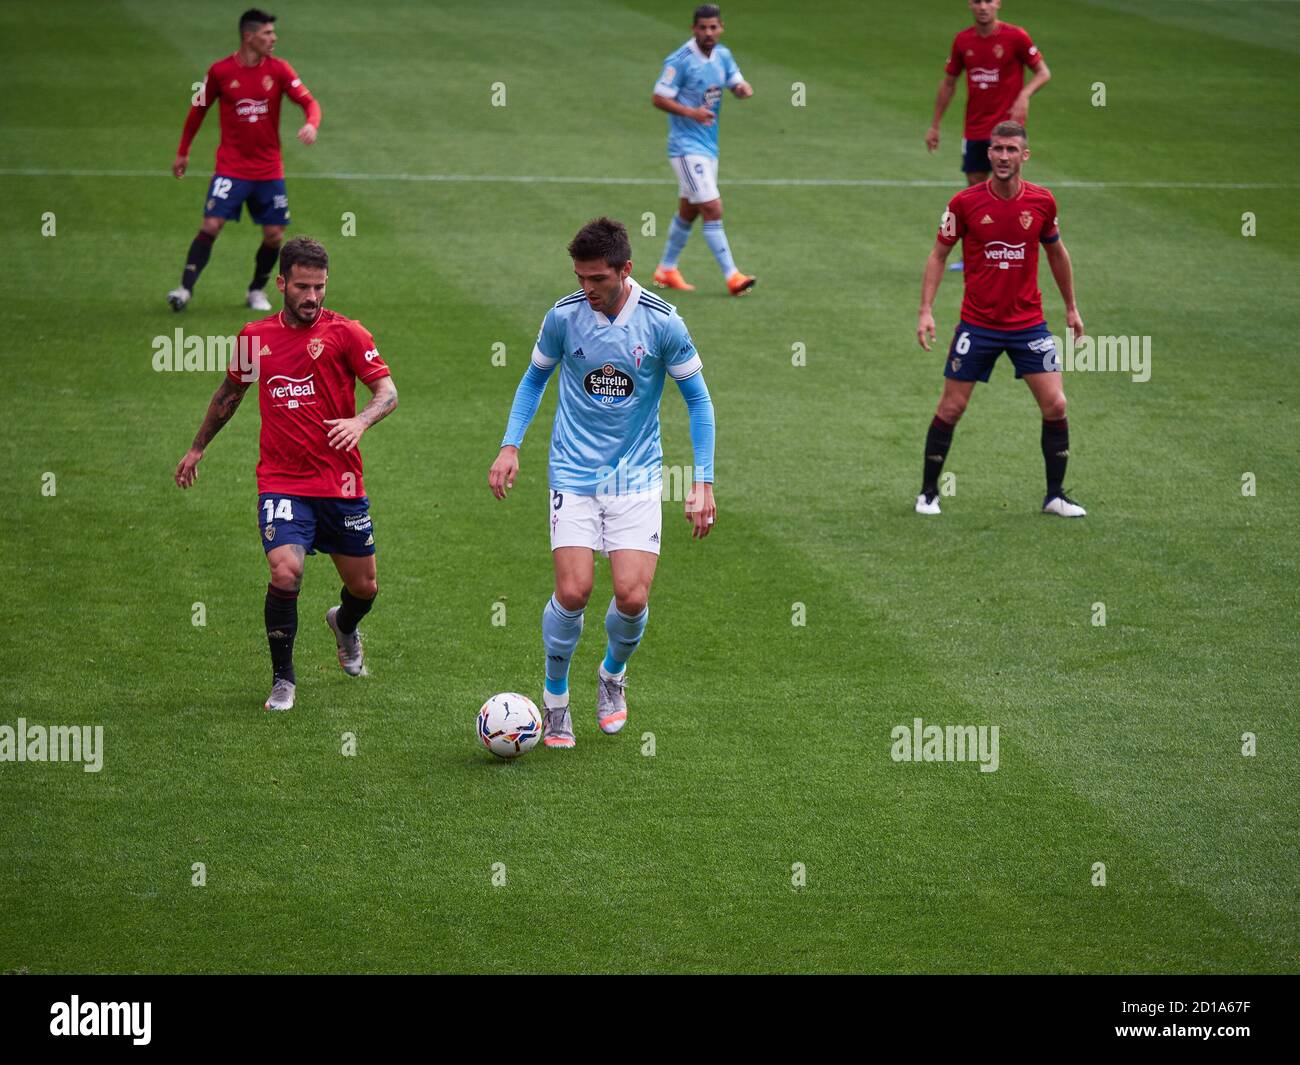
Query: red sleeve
(952, 226)
(1049, 233)
(1028, 51)
(197, 113)
(297, 92)
(363, 354)
(245, 359)
(953, 67)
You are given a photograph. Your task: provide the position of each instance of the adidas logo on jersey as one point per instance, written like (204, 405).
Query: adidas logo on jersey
(654, 538)
(578, 354)
(986, 221)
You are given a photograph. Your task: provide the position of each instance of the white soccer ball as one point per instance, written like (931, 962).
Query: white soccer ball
(509, 725)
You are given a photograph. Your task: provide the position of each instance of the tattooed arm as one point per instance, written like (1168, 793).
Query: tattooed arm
(346, 432)
(225, 401)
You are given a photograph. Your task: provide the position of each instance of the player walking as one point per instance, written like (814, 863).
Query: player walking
(614, 342)
(993, 54)
(306, 361)
(249, 85)
(1000, 224)
(690, 90)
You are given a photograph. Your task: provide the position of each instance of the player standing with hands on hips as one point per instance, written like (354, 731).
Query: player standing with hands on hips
(690, 90)
(306, 361)
(614, 344)
(1001, 224)
(249, 86)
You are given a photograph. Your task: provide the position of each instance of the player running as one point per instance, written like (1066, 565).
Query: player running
(614, 342)
(249, 85)
(993, 54)
(690, 90)
(306, 361)
(1000, 224)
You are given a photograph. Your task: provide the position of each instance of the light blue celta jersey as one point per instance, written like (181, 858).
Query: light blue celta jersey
(692, 79)
(606, 435)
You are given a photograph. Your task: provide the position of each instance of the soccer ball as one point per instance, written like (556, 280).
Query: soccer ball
(509, 725)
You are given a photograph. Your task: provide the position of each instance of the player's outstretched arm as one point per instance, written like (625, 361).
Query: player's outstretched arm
(1059, 260)
(701, 510)
(925, 326)
(345, 433)
(528, 397)
(225, 401)
(946, 88)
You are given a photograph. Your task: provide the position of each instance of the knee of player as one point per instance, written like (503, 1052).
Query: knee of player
(1054, 409)
(365, 589)
(631, 605)
(272, 237)
(287, 575)
(712, 211)
(573, 595)
(951, 410)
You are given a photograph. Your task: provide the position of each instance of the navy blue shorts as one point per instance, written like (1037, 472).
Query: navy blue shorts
(975, 157)
(335, 526)
(268, 201)
(974, 351)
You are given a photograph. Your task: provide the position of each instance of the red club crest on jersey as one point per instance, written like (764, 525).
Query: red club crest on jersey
(268, 83)
(1026, 219)
(997, 51)
(315, 345)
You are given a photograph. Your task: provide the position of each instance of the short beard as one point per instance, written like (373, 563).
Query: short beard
(297, 317)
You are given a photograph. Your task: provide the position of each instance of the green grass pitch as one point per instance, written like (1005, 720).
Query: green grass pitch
(1119, 744)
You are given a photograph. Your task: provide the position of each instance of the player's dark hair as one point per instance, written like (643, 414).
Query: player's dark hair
(303, 251)
(1009, 129)
(602, 238)
(707, 11)
(253, 20)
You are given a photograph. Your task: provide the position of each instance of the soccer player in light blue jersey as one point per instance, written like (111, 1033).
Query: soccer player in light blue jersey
(690, 90)
(613, 343)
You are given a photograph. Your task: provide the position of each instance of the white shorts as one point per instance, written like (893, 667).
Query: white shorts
(607, 522)
(697, 177)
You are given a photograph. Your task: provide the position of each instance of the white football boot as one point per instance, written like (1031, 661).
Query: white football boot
(927, 503)
(281, 697)
(1064, 506)
(611, 700)
(351, 657)
(558, 729)
(257, 300)
(177, 298)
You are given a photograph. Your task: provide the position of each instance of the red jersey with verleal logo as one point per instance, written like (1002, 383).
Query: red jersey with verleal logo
(995, 74)
(303, 377)
(249, 99)
(1000, 241)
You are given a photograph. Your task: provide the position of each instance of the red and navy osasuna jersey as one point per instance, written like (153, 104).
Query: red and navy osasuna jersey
(303, 377)
(249, 99)
(1000, 241)
(995, 74)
